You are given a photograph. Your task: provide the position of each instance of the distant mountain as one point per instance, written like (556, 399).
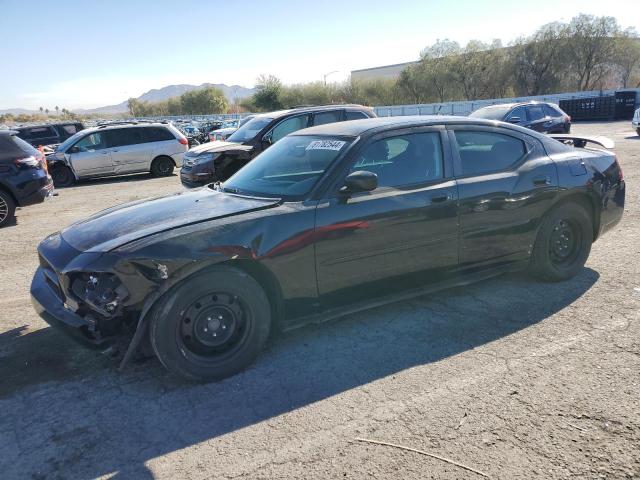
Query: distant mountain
(171, 91)
(18, 111)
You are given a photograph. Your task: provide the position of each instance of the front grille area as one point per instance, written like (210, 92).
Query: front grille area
(51, 277)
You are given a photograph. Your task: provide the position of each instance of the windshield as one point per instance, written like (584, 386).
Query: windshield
(249, 129)
(491, 113)
(69, 141)
(290, 168)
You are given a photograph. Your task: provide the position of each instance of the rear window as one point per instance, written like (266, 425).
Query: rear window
(351, 115)
(156, 134)
(491, 113)
(22, 145)
(551, 112)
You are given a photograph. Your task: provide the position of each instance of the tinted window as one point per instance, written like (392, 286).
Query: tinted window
(519, 112)
(403, 160)
(290, 125)
(39, 132)
(124, 136)
(355, 115)
(536, 113)
(491, 113)
(487, 152)
(327, 117)
(23, 146)
(156, 134)
(68, 130)
(250, 129)
(550, 111)
(93, 141)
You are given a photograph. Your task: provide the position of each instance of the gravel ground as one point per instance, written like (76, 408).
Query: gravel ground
(511, 377)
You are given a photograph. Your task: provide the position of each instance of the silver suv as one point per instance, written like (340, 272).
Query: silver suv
(118, 149)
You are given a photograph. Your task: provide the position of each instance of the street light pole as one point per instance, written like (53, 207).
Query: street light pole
(326, 75)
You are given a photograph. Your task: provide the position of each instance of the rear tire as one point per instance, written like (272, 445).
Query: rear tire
(62, 176)
(638, 131)
(213, 325)
(563, 243)
(7, 209)
(162, 167)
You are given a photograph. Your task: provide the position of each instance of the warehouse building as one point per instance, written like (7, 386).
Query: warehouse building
(380, 73)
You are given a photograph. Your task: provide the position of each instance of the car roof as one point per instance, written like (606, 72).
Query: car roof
(8, 132)
(516, 104)
(125, 125)
(40, 125)
(311, 109)
(355, 128)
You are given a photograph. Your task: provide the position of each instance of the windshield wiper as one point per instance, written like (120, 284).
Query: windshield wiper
(230, 190)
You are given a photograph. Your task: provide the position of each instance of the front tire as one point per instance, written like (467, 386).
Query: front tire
(563, 243)
(7, 209)
(213, 325)
(162, 167)
(62, 176)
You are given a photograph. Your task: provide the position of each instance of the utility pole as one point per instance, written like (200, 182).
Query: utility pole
(326, 75)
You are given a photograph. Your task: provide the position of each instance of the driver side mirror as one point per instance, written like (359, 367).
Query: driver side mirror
(73, 149)
(513, 119)
(267, 140)
(360, 181)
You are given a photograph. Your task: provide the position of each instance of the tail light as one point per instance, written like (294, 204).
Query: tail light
(27, 161)
(183, 141)
(567, 118)
(620, 174)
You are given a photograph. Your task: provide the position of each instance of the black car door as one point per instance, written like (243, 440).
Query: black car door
(407, 225)
(506, 182)
(537, 118)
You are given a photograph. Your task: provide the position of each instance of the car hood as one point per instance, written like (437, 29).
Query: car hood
(119, 225)
(217, 146)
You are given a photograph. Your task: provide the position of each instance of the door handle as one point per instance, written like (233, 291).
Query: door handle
(440, 198)
(540, 181)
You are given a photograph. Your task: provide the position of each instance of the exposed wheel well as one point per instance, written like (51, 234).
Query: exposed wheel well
(10, 193)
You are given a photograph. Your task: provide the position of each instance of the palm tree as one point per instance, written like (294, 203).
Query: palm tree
(46, 110)
(41, 109)
(57, 110)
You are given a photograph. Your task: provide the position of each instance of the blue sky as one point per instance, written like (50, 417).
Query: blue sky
(82, 54)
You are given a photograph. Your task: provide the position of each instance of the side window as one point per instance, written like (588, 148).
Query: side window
(69, 130)
(156, 134)
(288, 126)
(487, 152)
(124, 136)
(550, 111)
(327, 117)
(92, 142)
(403, 160)
(40, 132)
(351, 115)
(518, 112)
(536, 113)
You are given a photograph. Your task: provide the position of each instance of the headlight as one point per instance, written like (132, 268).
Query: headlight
(102, 291)
(202, 158)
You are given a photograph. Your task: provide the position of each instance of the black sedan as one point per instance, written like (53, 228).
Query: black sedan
(538, 116)
(330, 220)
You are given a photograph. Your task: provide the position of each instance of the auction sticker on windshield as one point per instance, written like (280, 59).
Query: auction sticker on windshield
(325, 145)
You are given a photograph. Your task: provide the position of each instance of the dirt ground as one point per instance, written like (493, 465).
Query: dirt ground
(511, 377)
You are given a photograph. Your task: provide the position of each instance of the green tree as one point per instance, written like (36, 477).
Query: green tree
(267, 96)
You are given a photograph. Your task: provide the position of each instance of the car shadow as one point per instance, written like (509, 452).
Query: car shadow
(632, 137)
(65, 400)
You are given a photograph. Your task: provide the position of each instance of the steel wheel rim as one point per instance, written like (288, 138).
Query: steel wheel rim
(213, 327)
(4, 210)
(565, 242)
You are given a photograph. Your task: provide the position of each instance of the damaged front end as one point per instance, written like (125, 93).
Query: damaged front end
(93, 297)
